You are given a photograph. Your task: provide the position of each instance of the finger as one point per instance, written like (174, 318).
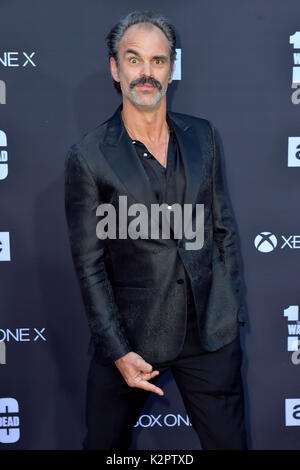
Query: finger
(154, 374)
(149, 374)
(145, 385)
(145, 367)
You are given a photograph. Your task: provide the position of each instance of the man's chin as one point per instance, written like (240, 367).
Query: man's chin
(145, 101)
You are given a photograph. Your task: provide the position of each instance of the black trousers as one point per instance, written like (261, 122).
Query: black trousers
(210, 384)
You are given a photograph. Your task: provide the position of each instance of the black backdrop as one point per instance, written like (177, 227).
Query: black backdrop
(237, 67)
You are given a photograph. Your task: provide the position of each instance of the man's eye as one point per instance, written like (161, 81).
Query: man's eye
(158, 61)
(133, 60)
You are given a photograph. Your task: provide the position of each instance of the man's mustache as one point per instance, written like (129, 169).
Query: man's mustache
(143, 80)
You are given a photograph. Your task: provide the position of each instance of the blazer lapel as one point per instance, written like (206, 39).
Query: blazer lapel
(121, 156)
(192, 157)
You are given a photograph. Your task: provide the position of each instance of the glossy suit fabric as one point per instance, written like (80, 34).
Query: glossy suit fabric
(132, 299)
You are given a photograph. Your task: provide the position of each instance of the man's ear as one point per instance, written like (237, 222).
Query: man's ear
(172, 72)
(114, 69)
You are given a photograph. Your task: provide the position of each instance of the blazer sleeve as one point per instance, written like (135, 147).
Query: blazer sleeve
(88, 252)
(224, 231)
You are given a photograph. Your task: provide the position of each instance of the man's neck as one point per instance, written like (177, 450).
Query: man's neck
(146, 124)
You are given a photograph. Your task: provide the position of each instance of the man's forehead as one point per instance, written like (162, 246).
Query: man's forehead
(137, 34)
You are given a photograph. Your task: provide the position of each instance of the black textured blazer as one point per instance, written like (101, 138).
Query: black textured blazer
(129, 287)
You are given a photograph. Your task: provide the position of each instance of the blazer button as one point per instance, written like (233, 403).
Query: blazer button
(180, 281)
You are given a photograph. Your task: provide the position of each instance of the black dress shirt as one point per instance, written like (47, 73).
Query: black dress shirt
(168, 184)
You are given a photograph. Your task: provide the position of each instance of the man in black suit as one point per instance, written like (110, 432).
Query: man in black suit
(155, 302)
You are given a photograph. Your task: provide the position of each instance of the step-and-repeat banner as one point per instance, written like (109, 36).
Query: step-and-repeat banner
(238, 64)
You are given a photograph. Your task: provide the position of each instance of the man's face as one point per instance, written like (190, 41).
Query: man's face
(144, 65)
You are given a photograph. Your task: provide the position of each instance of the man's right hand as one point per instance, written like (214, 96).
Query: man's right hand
(137, 372)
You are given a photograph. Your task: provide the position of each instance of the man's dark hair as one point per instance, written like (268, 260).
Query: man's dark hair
(117, 32)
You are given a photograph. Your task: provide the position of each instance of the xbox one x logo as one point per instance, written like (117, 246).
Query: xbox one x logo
(265, 242)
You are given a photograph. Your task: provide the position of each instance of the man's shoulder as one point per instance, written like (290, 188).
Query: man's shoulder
(90, 138)
(191, 120)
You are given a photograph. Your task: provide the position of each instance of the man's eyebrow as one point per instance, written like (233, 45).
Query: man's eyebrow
(132, 51)
(164, 57)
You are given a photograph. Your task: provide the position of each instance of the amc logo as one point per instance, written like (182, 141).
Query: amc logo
(9, 421)
(292, 412)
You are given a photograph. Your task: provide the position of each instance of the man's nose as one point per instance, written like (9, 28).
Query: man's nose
(146, 69)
